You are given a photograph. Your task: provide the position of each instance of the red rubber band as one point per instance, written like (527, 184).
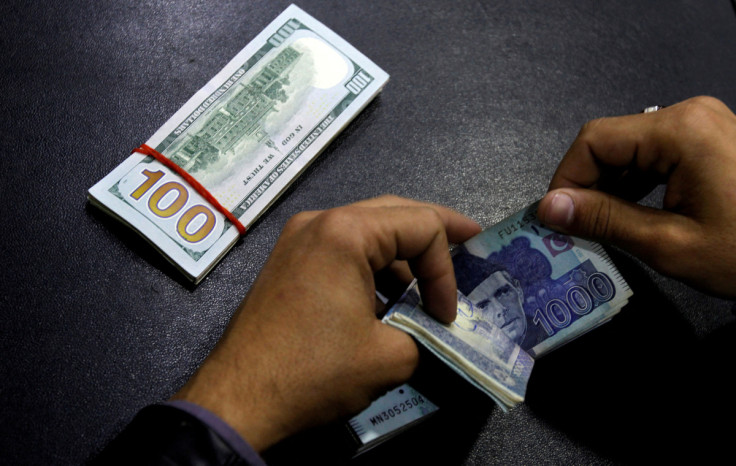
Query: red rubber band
(148, 150)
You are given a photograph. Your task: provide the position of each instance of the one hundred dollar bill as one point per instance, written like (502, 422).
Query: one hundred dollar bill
(523, 290)
(245, 136)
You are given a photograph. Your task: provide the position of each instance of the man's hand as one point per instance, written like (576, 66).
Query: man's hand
(305, 346)
(690, 146)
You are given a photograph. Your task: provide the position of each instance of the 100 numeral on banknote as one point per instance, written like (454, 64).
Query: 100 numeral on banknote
(245, 137)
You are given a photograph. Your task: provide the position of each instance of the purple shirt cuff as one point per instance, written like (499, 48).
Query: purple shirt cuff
(227, 433)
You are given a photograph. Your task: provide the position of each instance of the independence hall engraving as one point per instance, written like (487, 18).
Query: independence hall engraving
(240, 117)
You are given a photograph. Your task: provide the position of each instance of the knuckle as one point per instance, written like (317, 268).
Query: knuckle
(706, 101)
(389, 199)
(697, 116)
(432, 223)
(590, 133)
(588, 130)
(432, 216)
(297, 222)
(338, 227)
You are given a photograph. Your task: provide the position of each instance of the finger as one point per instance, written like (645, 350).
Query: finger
(391, 344)
(389, 200)
(398, 228)
(639, 150)
(613, 145)
(459, 228)
(646, 232)
(419, 235)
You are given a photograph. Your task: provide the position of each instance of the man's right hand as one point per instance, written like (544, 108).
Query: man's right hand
(305, 346)
(614, 162)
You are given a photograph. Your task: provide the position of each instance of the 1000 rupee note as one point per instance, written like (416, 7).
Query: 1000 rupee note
(245, 136)
(523, 290)
(541, 287)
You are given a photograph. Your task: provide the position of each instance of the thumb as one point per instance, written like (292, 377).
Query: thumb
(646, 232)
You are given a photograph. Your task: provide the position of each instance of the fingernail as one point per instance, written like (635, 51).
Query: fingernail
(561, 210)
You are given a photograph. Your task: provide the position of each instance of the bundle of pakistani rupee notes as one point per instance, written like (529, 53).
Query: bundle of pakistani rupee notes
(523, 289)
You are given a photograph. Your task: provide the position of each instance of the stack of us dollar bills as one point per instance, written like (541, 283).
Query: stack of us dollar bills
(245, 136)
(523, 290)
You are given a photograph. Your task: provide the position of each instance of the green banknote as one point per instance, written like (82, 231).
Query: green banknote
(245, 136)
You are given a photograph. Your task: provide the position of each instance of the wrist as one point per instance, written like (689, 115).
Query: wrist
(237, 401)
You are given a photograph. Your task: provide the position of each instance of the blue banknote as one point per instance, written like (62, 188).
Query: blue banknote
(541, 287)
(523, 290)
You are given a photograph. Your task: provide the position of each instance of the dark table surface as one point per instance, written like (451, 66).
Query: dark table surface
(484, 99)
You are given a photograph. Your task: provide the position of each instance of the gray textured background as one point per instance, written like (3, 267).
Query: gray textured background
(484, 99)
